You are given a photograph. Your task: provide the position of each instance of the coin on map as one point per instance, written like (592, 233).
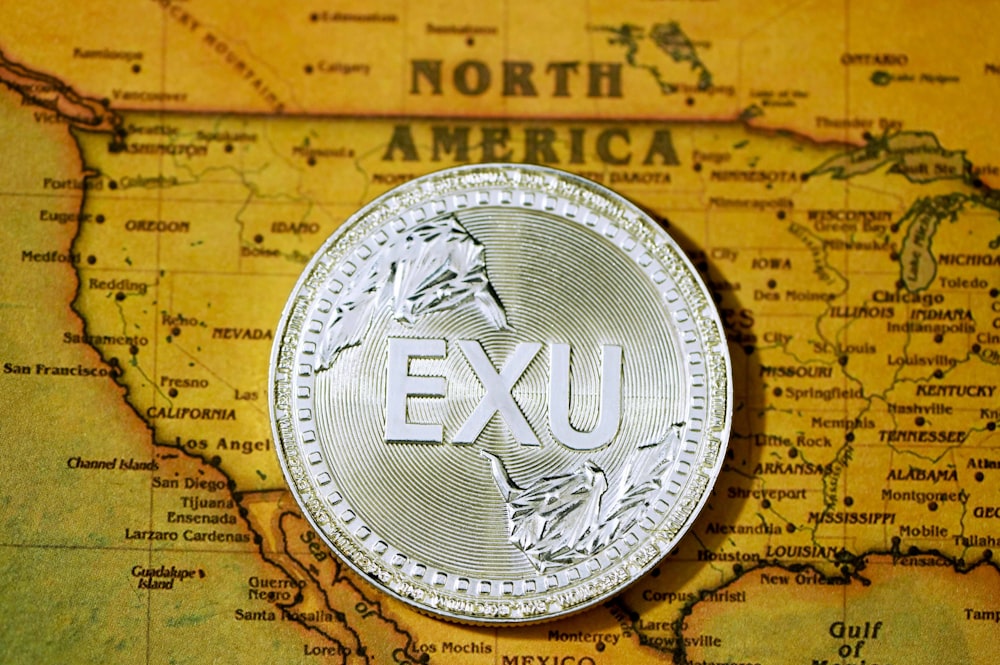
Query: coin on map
(500, 393)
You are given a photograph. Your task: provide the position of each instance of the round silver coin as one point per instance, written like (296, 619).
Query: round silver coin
(500, 393)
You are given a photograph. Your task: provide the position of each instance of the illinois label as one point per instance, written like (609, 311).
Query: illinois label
(501, 393)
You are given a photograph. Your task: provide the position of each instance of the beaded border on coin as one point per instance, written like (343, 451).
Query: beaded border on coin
(670, 512)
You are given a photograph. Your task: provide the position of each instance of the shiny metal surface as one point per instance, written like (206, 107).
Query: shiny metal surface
(501, 393)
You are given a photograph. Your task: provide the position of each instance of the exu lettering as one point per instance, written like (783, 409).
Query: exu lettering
(401, 385)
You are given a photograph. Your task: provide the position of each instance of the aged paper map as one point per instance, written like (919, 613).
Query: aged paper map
(168, 167)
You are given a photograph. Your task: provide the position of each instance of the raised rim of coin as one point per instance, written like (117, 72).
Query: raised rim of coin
(606, 503)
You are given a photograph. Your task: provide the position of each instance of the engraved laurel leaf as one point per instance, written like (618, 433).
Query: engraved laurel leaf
(440, 267)
(561, 519)
(434, 267)
(645, 475)
(354, 312)
(548, 520)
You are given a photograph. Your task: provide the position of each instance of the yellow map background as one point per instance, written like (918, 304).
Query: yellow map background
(831, 181)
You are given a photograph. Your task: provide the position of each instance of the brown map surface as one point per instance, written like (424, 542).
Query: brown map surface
(169, 166)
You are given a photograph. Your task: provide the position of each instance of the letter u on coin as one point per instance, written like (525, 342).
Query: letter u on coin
(500, 393)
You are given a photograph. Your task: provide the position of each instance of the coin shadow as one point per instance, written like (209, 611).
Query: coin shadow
(707, 557)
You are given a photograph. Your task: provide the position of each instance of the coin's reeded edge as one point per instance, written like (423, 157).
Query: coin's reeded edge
(574, 597)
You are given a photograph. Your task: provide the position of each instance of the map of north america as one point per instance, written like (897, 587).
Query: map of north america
(149, 253)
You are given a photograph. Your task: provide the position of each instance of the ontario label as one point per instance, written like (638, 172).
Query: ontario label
(500, 392)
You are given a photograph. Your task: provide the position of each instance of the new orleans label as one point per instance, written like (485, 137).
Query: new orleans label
(501, 393)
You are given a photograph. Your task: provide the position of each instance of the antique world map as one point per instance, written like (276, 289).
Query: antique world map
(167, 167)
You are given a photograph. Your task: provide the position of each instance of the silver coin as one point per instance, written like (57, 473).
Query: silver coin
(500, 393)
